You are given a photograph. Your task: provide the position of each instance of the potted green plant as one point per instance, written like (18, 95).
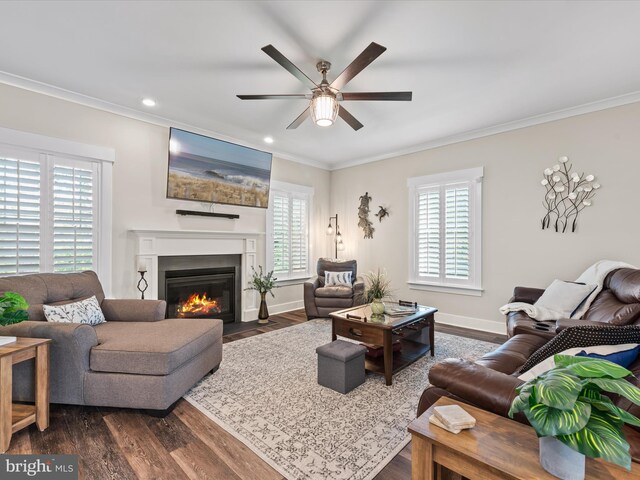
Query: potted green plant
(573, 418)
(13, 309)
(377, 288)
(263, 284)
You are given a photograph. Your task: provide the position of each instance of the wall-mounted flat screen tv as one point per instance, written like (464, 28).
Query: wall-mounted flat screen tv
(205, 169)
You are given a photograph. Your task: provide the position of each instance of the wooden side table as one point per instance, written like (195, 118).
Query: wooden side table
(497, 448)
(16, 416)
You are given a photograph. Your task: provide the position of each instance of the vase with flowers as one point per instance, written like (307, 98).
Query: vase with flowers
(263, 283)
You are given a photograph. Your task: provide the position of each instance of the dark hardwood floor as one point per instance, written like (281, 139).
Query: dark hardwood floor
(129, 444)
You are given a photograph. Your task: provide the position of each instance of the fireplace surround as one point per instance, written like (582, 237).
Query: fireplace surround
(152, 245)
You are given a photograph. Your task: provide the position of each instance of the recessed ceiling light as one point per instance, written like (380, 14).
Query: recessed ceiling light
(148, 102)
(268, 139)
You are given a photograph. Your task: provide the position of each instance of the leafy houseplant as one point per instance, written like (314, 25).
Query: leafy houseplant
(263, 284)
(567, 402)
(13, 309)
(378, 287)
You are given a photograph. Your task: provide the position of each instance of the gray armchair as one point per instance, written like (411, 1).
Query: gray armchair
(321, 300)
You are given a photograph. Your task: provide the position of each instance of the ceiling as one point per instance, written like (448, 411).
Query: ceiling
(471, 65)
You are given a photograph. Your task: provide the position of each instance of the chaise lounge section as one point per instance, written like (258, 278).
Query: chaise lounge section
(137, 359)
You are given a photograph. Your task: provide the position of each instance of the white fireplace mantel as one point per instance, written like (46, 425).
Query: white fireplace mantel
(151, 244)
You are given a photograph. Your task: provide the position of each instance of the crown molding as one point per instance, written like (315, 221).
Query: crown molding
(596, 106)
(88, 101)
(61, 93)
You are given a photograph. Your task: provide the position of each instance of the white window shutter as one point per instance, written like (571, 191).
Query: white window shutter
(457, 231)
(299, 236)
(19, 216)
(74, 216)
(281, 237)
(428, 232)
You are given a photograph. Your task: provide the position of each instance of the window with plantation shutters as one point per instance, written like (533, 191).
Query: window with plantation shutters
(48, 213)
(445, 231)
(288, 223)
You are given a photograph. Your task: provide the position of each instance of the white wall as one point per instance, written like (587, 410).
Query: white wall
(139, 180)
(515, 250)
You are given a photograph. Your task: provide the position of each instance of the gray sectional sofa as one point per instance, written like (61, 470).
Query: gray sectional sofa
(137, 359)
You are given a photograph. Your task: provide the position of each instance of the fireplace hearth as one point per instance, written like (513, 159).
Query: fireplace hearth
(201, 286)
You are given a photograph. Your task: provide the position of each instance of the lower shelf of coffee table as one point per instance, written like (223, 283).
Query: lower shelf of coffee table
(410, 352)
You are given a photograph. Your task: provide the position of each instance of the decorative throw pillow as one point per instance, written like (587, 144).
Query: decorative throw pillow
(623, 358)
(596, 351)
(564, 297)
(85, 311)
(335, 279)
(583, 336)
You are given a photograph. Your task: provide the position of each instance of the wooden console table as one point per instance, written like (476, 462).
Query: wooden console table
(497, 448)
(16, 416)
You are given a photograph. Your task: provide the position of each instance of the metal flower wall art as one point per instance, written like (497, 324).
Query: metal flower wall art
(567, 194)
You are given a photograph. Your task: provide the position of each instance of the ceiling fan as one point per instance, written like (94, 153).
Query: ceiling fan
(324, 106)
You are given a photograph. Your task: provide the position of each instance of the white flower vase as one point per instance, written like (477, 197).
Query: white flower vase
(560, 460)
(377, 306)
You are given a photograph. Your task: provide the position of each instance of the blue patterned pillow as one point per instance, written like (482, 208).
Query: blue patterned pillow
(624, 358)
(337, 279)
(85, 311)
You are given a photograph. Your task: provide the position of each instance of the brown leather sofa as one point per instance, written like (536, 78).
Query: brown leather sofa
(490, 382)
(137, 359)
(617, 304)
(321, 300)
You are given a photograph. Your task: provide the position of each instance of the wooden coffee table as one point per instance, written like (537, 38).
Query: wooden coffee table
(16, 416)
(415, 333)
(497, 448)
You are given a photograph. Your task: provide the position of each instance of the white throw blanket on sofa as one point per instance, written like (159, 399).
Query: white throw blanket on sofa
(594, 275)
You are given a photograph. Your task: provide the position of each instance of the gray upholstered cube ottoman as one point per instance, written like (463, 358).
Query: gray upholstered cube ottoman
(341, 365)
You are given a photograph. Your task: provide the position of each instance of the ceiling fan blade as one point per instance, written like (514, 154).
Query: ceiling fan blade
(350, 119)
(289, 66)
(298, 121)
(393, 96)
(369, 54)
(288, 96)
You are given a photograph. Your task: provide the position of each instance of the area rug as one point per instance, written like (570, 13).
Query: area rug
(266, 395)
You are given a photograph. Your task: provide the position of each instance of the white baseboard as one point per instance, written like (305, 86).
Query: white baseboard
(472, 323)
(251, 314)
(286, 307)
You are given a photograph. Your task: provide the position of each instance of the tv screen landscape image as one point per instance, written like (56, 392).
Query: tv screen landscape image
(205, 169)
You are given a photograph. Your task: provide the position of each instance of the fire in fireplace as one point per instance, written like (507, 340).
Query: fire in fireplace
(197, 306)
(201, 286)
(196, 294)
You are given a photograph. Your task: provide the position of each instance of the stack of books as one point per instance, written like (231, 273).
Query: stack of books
(452, 418)
(5, 340)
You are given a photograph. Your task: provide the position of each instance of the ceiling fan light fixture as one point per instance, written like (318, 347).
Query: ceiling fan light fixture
(324, 109)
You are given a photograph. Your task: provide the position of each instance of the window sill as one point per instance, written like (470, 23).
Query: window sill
(446, 288)
(292, 281)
